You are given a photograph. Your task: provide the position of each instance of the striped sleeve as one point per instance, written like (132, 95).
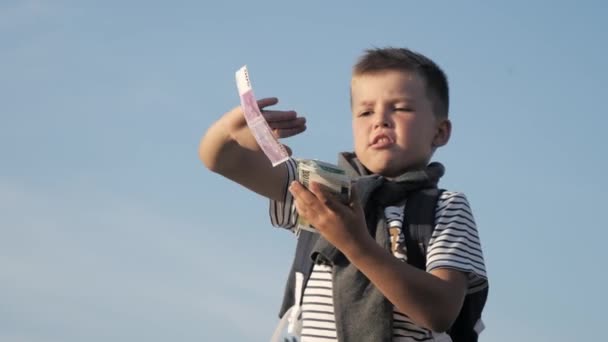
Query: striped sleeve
(455, 242)
(283, 213)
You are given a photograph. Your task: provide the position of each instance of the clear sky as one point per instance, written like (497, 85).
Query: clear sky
(112, 230)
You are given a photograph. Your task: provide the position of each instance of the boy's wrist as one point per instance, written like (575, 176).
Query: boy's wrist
(236, 129)
(359, 248)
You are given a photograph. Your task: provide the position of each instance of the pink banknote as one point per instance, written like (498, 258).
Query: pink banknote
(262, 133)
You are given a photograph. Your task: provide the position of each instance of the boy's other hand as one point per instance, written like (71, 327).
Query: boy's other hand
(229, 148)
(284, 124)
(342, 225)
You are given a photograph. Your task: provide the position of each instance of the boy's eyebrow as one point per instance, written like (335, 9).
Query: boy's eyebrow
(404, 99)
(366, 103)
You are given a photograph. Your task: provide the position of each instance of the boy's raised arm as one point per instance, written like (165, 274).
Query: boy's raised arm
(229, 148)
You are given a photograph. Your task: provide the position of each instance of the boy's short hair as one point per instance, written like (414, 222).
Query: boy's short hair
(402, 59)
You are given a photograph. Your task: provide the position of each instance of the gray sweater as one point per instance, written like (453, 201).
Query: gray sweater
(362, 313)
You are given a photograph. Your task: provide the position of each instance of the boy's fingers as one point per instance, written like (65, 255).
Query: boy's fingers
(301, 194)
(326, 196)
(277, 116)
(296, 188)
(319, 189)
(287, 123)
(286, 133)
(288, 149)
(268, 101)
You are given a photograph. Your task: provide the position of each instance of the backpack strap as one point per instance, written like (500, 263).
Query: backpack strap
(302, 263)
(468, 324)
(419, 219)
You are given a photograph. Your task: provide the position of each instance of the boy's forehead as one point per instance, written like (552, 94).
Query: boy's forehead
(404, 84)
(404, 75)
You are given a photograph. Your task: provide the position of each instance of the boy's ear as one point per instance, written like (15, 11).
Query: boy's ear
(442, 136)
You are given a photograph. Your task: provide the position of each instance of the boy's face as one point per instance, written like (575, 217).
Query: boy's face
(394, 127)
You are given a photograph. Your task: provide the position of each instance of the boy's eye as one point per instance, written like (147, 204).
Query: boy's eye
(403, 109)
(365, 113)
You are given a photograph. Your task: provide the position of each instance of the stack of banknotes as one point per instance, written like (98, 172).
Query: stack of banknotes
(328, 175)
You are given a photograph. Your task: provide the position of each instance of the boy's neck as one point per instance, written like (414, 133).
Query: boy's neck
(418, 167)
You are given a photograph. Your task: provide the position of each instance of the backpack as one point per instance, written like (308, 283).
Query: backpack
(420, 220)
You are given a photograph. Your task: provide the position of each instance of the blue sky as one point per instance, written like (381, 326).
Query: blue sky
(112, 230)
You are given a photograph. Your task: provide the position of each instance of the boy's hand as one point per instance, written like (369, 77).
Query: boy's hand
(284, 124)
(342, 225)
(230, 149)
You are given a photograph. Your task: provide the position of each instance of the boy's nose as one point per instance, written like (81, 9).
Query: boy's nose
(382, 124)
(382, 121)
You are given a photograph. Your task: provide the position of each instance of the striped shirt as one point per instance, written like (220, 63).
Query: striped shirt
(454, 244)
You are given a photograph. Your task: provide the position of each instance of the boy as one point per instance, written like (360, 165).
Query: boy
(399, 102)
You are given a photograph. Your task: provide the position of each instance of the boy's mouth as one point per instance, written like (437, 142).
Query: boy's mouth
(381, 141)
